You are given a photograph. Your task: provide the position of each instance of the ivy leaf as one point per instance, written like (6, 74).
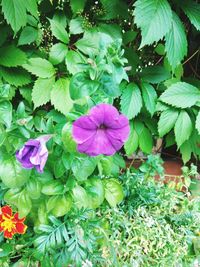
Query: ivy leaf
(41, 93)
(11, 56)
(131, 101)
(113, 192)
(40, 67)
(58, 53)
(15, 13)
(176, 42)
(167, 121)
(183, 128)
(155, 74)
(58, 30)
(146, 141)
(192, 10)
(6, 113)
(197, 124)
(60, 96)
(153, 17)
(132, 143)
(15, 76)
(181, 95)
(149, 96)
(28, 35)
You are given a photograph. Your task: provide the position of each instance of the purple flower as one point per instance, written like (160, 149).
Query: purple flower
(103, 131)
(34, 153)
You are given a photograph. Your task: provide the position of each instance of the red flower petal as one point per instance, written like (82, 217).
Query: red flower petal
(1, 218)
(8, 234)
(17, 219)
(21, 228)
(6, 210)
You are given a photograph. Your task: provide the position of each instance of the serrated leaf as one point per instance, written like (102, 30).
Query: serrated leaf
(59, 31)
(40, 67)
(28, 35)
(31, 6)
(58, 53)
(197, 123)
(133, 141)
(11, 56)
(183, 128)
(192, 10)
(186, 151)
(153, 17)
(6, 113)
(131, 101)
(181, 95)
(41, 93)
(167, 121)
(74, 61)
(146, 141)
(15, 76)
(89, 44)
(155, 74)
(15, 13)
(149, 96)
(60, 96)
(176, 42)
(76, 25)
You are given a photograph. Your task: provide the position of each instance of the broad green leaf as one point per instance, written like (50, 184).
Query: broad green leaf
(155, 74)
(40, 67)
(89, 44)
(183, 128)
(53, 188)
(80, 197)
(28, 35)
(146, 141)
(95, 191)
(153, 17)
(131, 101)
(6, 113)
(41, 93)
(68, 141)
(60, 96)
(59, 31)
(15, 13)
(113, 191)
(11, 56)
(109, 85)
(24, 204)
(186, 151)
(33, 188)
(15, 76)
(176, 42)
(12, 174)
(192, 10)
(58, 53)
(81, 85)
(83, 167)
(76, 25)
(149, 96)
(132, 143)
(31, 6)
(12, 196)
(77, 6)
(181, 95)
(74, 61)
(197, 124)
(62, 205)
(106, 164)
(59, 169)
(167, 121)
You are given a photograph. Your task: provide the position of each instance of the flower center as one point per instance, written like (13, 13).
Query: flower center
(8, 224)
(102, 126)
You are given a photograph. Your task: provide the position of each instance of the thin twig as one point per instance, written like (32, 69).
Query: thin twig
(191, 57)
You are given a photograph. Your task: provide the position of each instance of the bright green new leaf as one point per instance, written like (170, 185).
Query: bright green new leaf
(131, 101)
(155, 74)
(149, 96)
(80, 197)
(28, 35)
(132, 143)
(197, 124)
(12, 195)
(183, 128)
(167, 121)
(41, 93)
(153, 17)
(146, 141)
(57, 53)
(59, 31)
(11, 56)
(113, 191)
(181, 95)
(176, 42)
(15, 76)
(40, 67)
(192, 10)
(6, 113)
(59, 205)
(53, 188)
(60, 96)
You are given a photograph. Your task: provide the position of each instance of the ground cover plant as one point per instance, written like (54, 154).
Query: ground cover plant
(84, 85)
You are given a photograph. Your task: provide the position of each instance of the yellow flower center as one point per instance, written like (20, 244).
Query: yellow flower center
(8, 224)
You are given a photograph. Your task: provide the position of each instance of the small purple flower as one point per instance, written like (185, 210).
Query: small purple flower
(103, 131)
(34, 153)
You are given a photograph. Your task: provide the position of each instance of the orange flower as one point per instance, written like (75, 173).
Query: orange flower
(11, 224)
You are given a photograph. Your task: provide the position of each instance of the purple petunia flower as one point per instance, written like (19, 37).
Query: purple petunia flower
(103, 131)
(34, 153)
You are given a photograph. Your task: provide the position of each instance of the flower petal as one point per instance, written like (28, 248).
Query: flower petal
(17, 219)
(81, 135)
(6, 210)
(8, 234)
(85, 122)
(20, 228)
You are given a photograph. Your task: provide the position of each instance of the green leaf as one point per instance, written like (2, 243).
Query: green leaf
(41, 93)
(167, 121)
(181, 95)
(12, 174)
(132, 143)
(12, 196)
(58, 30)
(149, 96)
(40, 67)
(176, 42)
(109, 86)
(11, 56)
(81, 85)
(68, 141)
(183, 128)
(53, 188)
(33, 188)
(89, 44)
(28, 35)
(15, 76)
(60, 96)
(83, 167)
(113, 192)
(131, 101)
(24, 204)
(146, 141)
(15, 13)
(58, 53)
(80, 197)
(153, 17)
(77, 6)
(197, 124)
(186, 151)
(95, 192)
(74, 61)
(192, 10)
(31, 6)
(76, 25)
(155, 74)
(6, 113)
